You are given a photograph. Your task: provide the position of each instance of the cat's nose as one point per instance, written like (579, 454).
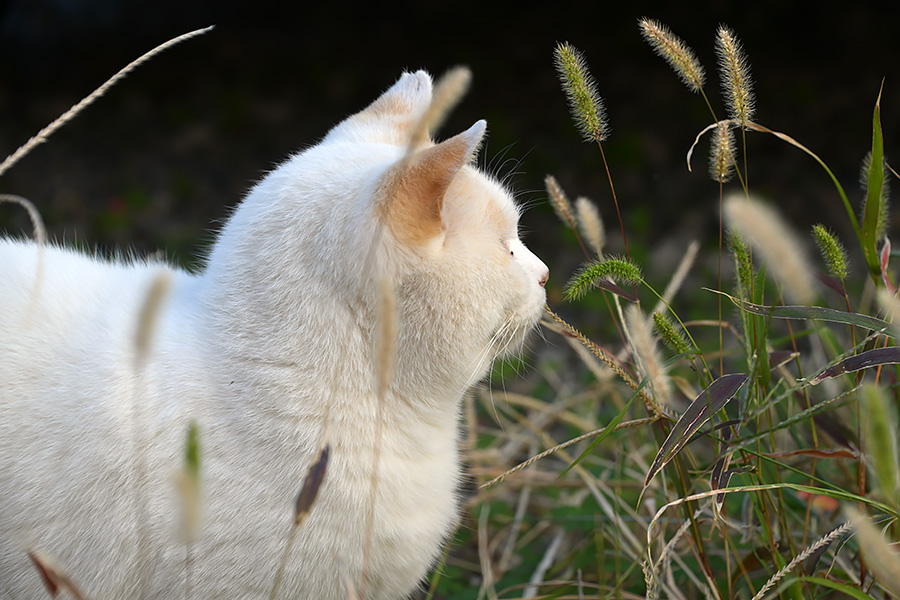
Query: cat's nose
(545, 275)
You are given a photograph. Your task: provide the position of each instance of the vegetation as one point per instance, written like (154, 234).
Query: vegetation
(761, 458)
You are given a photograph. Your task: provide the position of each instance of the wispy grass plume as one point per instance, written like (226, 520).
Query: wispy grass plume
(188, 484)
(777, 244)
(591, 224)
(881, 442)
(675, 52)
(881, 559)
(559, 201)
(734, 71)
(581, 89)
(448, 91)
(646, 352)
(722, 153)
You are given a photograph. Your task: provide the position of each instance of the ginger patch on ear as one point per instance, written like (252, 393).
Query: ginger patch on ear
(413, 191)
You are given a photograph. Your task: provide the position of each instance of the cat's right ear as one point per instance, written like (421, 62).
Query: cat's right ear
(411, 196)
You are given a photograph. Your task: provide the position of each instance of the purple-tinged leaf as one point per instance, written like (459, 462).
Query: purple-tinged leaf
(609, 286)
(710, 401)
(780, 357)
(816, 453)
(814, 313)
(832, 283)
(863, 360)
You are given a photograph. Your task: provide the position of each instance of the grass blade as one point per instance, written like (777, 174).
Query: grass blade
(873, 210)
(858, 362)
(709, 401)
(811, 313)
(849, 590)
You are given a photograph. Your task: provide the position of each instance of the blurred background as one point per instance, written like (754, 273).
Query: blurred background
(160, 161)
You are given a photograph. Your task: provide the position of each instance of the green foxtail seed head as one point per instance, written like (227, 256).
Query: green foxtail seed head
(742, 263)
(617, 269)
(559, 201)
(721, 156)
(832, 251)
(884, 206)
(735, 74)
(671, 335)
(675, 52)
(581, 90)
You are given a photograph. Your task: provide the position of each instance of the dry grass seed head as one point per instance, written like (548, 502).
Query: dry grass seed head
(646, 352)
(722, 153)
(149, 314)
(734, 71)
(559, 201)
(675, 52)
(881, 559)
(591, 224)
(581, 90)
(386, 341)
(779, 247)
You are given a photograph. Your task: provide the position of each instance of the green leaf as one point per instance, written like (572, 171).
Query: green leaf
(810, 313)
(872, 210)
(853, 592)
(610, 427)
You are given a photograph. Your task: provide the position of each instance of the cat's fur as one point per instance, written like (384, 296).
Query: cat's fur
(271, 350)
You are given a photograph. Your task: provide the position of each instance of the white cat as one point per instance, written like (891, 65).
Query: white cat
(270, 349)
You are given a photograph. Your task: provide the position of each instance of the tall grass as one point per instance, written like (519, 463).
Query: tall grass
(760, 459)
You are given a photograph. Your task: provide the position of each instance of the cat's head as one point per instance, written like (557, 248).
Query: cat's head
(467, 279)
(376, 200)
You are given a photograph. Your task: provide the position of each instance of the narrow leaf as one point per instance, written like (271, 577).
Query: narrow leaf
(858, 362)
(872, 209)
(610, 427)
(811, 313)
(710, 401)
(849, 590)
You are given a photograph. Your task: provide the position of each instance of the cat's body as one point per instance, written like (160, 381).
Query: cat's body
(271, 350)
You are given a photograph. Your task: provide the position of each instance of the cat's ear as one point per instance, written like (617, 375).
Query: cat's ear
(412, 192)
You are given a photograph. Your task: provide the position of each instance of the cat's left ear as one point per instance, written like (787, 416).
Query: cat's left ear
(413, 190)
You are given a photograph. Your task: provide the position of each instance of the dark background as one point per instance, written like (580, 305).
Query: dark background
(166, 153)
